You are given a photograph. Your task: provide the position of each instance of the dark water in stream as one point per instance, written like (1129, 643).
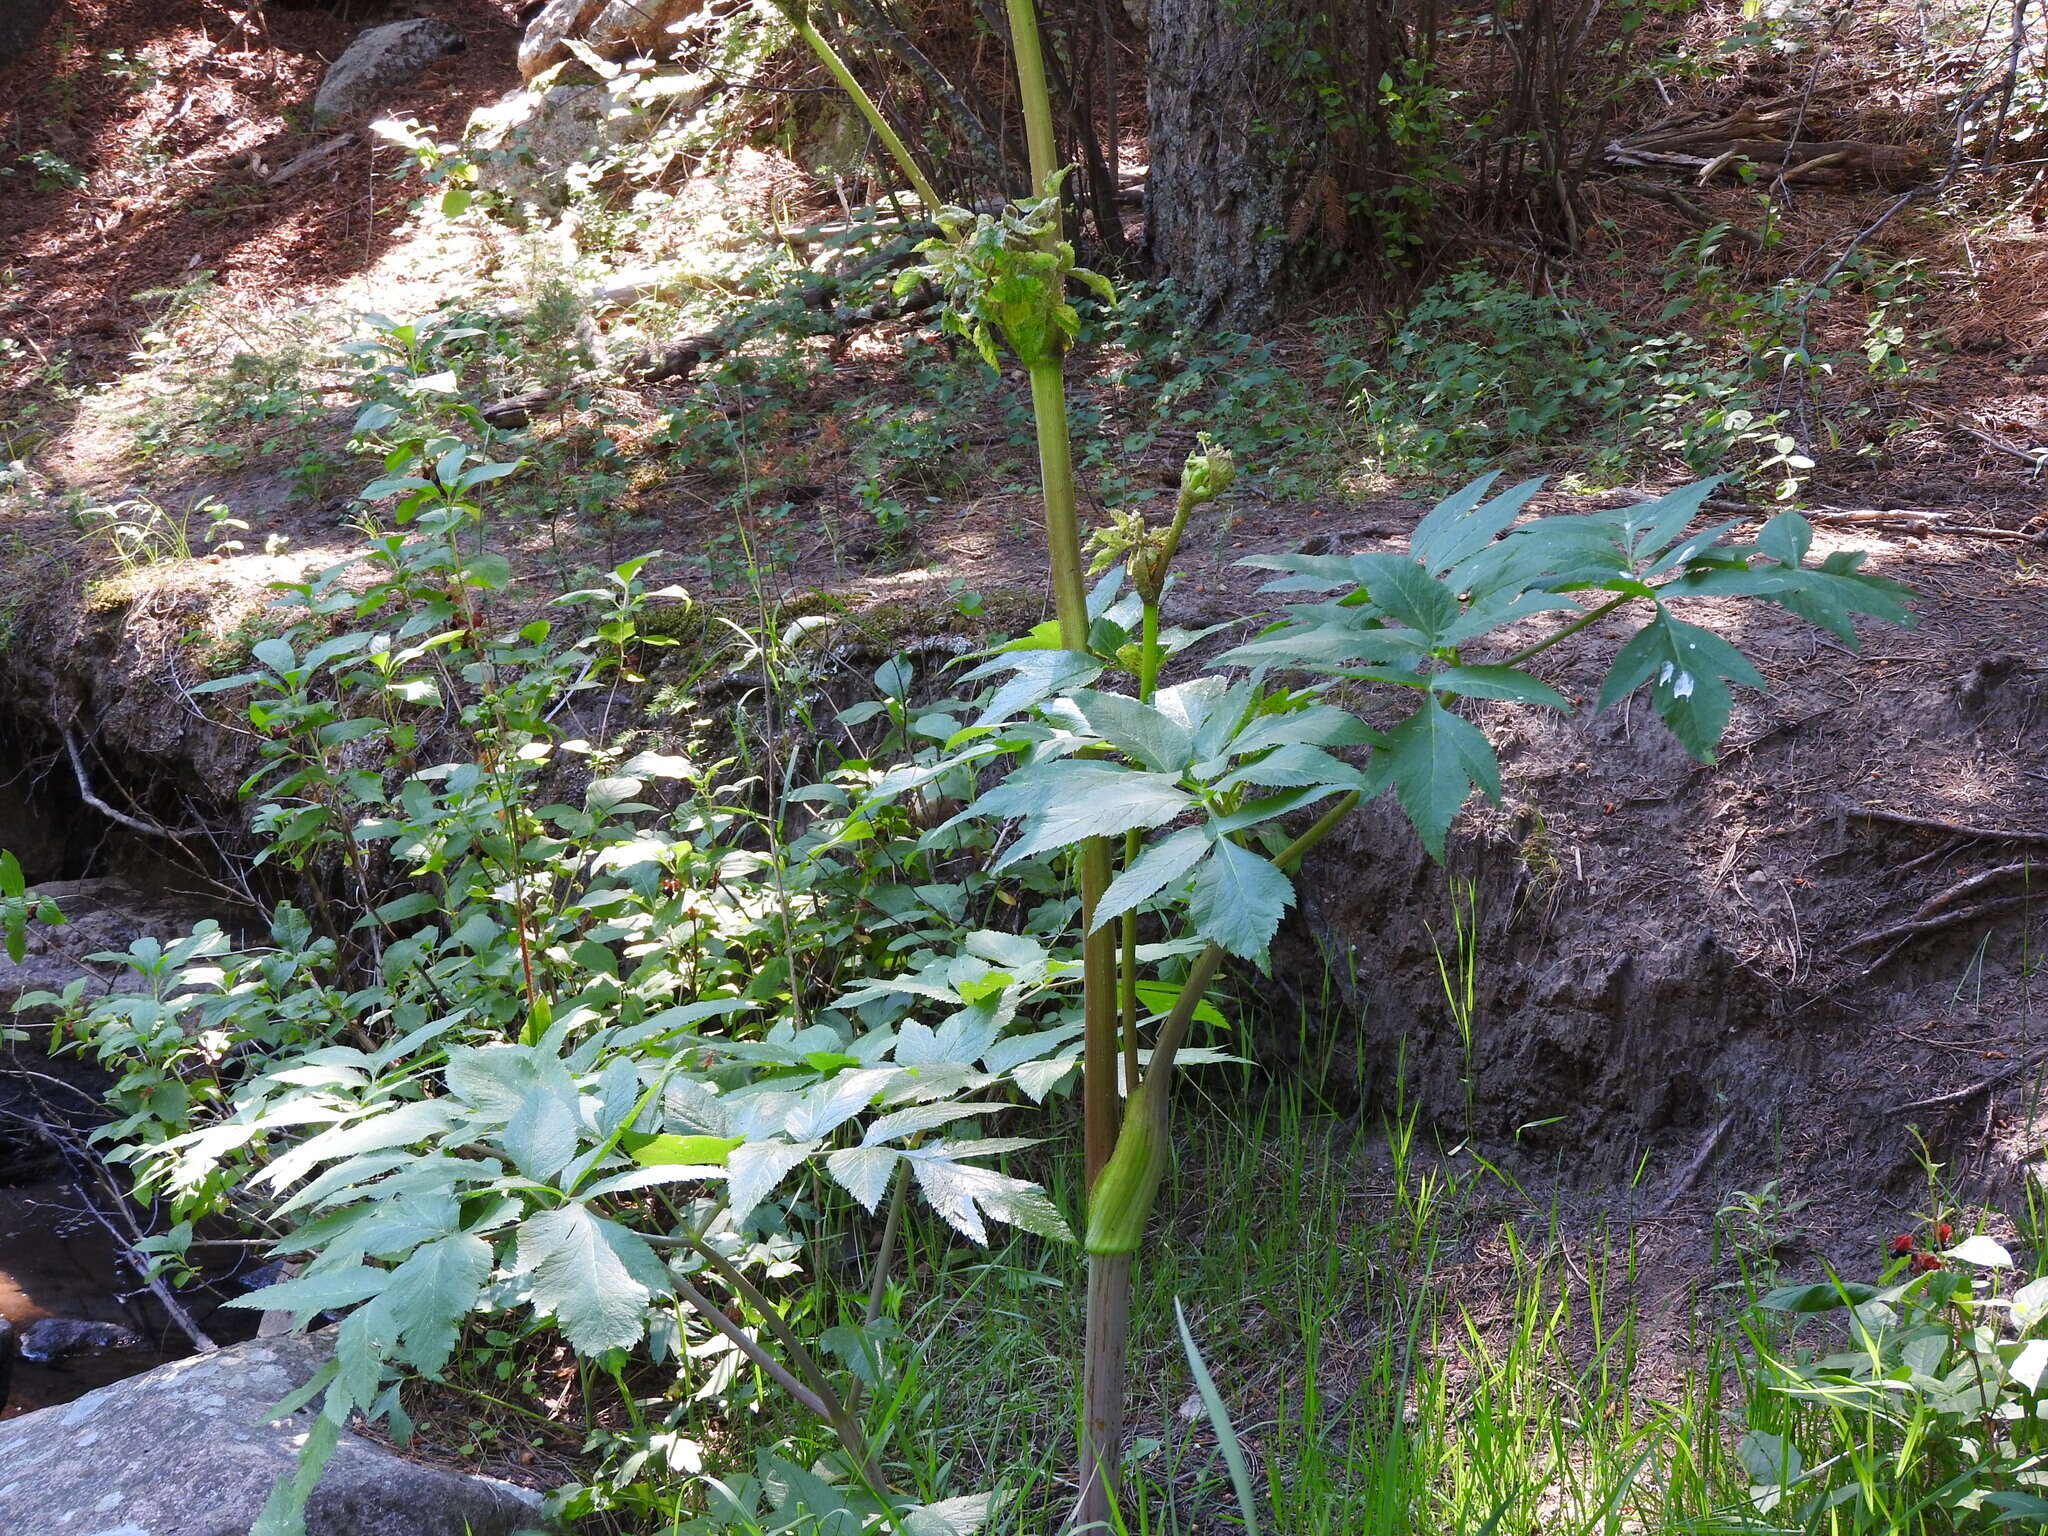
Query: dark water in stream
(56, 1261)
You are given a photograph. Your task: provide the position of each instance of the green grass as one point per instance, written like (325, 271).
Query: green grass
(1404, 1341)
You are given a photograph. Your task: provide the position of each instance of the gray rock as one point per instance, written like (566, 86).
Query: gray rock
(103, 914)
(21, 23)
(379, 61)
(614, 28)
(49, 1339)
(181, 1451)
(527, 140)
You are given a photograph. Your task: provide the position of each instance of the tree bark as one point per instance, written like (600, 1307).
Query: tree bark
(1238, 152)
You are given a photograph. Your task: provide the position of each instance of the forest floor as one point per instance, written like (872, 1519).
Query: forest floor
(171, 327)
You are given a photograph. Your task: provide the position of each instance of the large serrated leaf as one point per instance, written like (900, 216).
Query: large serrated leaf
(1433, 760)
(1407, 594)
(581, 1278)
(754, 1170)
(962, 1194)
(402, 1126)
(1454, 530)
(1238, 901)
(1034, 675)
(1061, 803)
(318, 1291)
(1138, 730)
(1159, 866)
(1498, 683)
(863, 1172)
(432, 1293)
(1291, 767)
(1688, 670)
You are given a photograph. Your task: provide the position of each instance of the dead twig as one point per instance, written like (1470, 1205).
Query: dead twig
(120, 818)
(1691, 1171)
(1903, 932)
(173, 1309)
(1968, 887)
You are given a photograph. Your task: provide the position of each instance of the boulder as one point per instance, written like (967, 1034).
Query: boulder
(50, 1339)
(612, 28)
(183, 1451)
(379, 61)
(530, 145)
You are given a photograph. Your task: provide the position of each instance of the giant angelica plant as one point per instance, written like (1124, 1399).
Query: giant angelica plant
(1198, 781)
(567, 1058)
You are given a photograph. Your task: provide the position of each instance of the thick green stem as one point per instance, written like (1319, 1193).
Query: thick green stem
(1037, 101)
(1134, 843)
(1070, 602)
(1118, 1213)
(1102, 1400)
(898, 150)
(771, 1317)
(1166, 1045)
(1062, 503)
(1591, 616)
(1127, 974)
(814, 1391)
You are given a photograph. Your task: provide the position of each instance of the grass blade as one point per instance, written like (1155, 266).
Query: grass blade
(1219, 1420)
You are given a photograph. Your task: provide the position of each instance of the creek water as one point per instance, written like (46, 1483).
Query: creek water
(56, 1261)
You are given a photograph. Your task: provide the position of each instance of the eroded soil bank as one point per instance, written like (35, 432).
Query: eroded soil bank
(71, 1290)
(1684, 980)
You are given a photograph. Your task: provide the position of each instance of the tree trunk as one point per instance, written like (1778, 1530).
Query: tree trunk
(1239, 148)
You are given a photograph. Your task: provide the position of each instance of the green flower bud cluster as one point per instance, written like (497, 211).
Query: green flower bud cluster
(1148, 552)
(1005, 276)
(1208, 473)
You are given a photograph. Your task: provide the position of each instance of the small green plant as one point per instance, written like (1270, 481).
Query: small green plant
(138, 71)
(1458, 974)
(1921, 1408)
(18, 908)
(51, 172)
(138, 532)
(1757, 1228)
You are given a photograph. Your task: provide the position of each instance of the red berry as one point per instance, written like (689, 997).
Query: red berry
(1923, 1262)
(1941, 1233)
(1902, 1245)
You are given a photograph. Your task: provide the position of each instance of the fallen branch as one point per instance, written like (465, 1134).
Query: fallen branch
(1884, 520)
(1691, 1171)
(173, 1309)
(2036, 457)
(126, 1236)
(1972, 885)
(311, 160)
(1671, 197)
(1919, 925)
(688, 355)
(1840, 161)
(1958, 829)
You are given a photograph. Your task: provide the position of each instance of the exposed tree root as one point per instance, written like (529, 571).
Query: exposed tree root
(2004, 1074)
